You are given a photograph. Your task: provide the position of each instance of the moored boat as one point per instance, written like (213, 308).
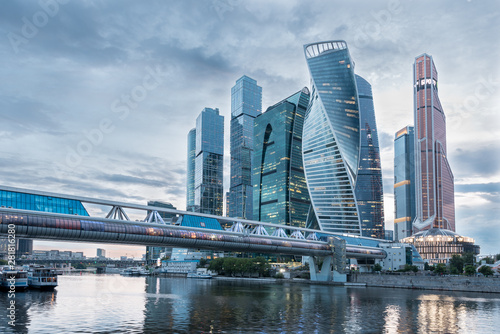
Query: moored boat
(42, 278)
(13, 279)
(197, 274)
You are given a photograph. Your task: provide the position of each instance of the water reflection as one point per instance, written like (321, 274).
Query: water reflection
(103, 304)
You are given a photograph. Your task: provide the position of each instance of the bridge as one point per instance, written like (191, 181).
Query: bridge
(239, 235)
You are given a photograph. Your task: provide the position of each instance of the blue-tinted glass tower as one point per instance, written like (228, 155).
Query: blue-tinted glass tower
(191, 152)
(369, 187)
(246, 104)
(404, 182)
(331, 137)
(279, 185)
(208, 176)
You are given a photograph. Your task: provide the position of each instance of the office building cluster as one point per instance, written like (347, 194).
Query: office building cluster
(310, 160)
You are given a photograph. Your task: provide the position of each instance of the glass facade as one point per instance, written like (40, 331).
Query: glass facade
(404, 182)
(153, 253)
(434, 179)
(190, 169)
(208, 175)
(19, 200)
(279, 185)
(246, 104)
(438, 246)
(331, 138)
(369, 188)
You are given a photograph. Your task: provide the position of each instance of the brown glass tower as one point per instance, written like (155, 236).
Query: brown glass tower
(434, 180)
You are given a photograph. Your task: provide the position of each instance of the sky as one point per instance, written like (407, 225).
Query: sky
(97, 97)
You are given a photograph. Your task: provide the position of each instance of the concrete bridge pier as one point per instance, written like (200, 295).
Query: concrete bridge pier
(332, 266)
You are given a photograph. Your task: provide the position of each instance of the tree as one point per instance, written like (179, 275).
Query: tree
(216, 265)
(440, 268)
(489, 260)
(202, 263)
(486, 270)
(497, 257)
(414, 269)
(456, 264)
(427, 267)
(377, 267)
(3, 262)
(470, 270)
(468, 258)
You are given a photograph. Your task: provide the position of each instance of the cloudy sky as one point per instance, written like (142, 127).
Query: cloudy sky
(97, 97)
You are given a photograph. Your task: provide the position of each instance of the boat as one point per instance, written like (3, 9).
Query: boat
(197, 274)
(42, 278)
(13, 279)
(134, 271)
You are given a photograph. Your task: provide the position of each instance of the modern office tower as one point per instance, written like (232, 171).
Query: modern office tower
(208, 176)
(433, 177)
(404, 182)
(279, 185)
(191, 151)
(331, 137)
(153, 253)
(369, 188)
(246, 104)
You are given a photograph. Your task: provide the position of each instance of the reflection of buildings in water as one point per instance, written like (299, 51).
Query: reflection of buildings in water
(42, 301)
(437, 313)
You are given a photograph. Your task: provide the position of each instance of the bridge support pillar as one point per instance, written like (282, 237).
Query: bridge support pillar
(333, 265)
(323, 274)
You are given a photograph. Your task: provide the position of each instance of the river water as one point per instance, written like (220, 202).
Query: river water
(116, 304)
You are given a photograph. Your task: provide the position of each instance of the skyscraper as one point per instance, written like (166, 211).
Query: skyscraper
(208, 175)
(191, 151)
(279, 185)
(434, 179)
(246, 104)
(404, 182)
(369, 187)
(331, 137)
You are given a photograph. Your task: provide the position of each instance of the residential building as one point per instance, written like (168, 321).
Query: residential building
(404, 182)
(246, 105)
(435, 206)
(208, 176)
(279, 185)
(101, 253)
(369, 188)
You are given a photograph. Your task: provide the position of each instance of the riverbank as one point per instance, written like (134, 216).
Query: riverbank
(423, 282)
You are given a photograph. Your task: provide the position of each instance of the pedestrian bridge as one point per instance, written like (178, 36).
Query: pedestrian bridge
(230, 234)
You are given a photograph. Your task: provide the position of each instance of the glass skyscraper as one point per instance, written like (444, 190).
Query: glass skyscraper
(246, 104)
(331, 137)
(404, 182)
(208, 174)
(433, 176)
(369, 187)
(279, 185)
(191, 151)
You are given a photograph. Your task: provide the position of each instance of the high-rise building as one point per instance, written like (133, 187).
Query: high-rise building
(190, 170)
(208, 176)
(153, 252)
(404, 182)
(369, 187)
(331, 137)
(246, 104)
(101, 253)
(279, 185)
(433, 177)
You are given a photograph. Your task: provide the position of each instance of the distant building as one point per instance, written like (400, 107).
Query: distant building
(190, 170)
(101, 253)
(404, 182)
(434, 179)
(246, 105)
(153, 252)
(19, 200)
(208, 176)
(279, 184)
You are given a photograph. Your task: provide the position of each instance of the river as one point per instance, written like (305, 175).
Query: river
(115, 304)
